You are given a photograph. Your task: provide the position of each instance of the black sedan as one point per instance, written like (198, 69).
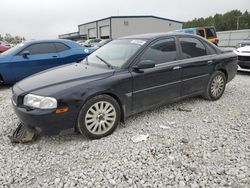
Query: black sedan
(124, 77)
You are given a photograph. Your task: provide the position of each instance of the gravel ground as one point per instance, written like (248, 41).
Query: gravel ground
(207, 147)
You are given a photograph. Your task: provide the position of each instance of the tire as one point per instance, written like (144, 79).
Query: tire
(99, 117)
(216, 86)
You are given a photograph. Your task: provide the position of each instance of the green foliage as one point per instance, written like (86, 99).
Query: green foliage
(223, 22)
(11, 39)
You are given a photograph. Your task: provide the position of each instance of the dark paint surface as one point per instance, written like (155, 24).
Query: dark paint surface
(72, 85)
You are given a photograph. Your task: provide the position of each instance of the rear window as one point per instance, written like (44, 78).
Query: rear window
(192, 47)
(61, 47)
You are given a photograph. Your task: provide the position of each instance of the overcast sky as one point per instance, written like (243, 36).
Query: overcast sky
(40, 19)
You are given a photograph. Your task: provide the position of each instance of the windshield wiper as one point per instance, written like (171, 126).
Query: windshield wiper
(108, 64)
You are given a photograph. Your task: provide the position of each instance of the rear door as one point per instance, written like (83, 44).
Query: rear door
(41, 57)
(197, 64)
(160, 84)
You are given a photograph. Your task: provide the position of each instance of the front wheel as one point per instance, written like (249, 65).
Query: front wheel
(216, 86)
(99, 117)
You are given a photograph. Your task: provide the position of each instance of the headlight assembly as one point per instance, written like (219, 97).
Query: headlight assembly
(35, 101)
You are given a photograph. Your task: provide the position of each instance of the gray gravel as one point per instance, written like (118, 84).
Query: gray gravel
(207, 147)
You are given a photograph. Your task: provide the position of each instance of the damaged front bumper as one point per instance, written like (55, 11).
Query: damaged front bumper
(46, 122)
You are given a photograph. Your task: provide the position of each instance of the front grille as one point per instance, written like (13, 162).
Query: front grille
(244, 58)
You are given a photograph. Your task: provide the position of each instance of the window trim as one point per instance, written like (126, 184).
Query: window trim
(18, 53)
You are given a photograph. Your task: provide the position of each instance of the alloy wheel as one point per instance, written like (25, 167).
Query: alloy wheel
(100, 117)
(217, 86)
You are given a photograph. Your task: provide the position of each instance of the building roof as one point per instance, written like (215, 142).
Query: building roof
(145, 16)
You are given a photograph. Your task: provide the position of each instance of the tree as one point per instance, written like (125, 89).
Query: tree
(12, 39)
(223, 22)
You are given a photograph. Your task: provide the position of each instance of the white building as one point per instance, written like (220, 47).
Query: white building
(119, 26)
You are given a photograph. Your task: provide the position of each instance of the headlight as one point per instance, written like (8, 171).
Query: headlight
(40, 102)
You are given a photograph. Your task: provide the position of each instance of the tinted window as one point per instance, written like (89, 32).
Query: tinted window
(192, 47)
(161, 52)
(210, 33)
(201, 33)
(61, 47)
(42, 48)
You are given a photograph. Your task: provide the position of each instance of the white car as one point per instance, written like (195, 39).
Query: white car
(243, 57)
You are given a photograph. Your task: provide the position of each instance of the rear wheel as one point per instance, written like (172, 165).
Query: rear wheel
(99, 117)
(216, 86)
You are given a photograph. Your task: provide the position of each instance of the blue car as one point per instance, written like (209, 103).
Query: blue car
(31, 57)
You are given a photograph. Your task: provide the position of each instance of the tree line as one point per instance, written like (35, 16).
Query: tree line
(11, 39)
(231, 20)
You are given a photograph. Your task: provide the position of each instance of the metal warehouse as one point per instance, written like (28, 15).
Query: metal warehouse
(118, 26)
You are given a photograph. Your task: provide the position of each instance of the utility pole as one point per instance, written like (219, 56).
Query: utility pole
(238, 21)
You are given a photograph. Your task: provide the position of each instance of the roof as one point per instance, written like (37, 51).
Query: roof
(48, 40)
(153, 35)
(142, 16)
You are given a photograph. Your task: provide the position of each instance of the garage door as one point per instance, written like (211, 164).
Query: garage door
(104, 32)
(92, 33)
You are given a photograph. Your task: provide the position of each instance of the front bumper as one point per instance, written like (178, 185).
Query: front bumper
(46, 122)
(244, 62)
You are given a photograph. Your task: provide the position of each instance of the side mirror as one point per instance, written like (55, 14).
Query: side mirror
(25, 53)
(145, 64)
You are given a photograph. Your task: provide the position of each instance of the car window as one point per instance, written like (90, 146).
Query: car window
(192, 47)
(42, 48)
(161, 52)
(210, 33)
(201, 33)
(61, 47)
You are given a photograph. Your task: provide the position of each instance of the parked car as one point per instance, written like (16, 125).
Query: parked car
(245, 42)
(102, 43)
(91, 42)
(243, 54)
(208, 32)
(4, 47)
(31, 57)
(124, 77)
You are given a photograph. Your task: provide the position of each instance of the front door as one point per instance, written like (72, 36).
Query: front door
(33, 59)
(160, 84)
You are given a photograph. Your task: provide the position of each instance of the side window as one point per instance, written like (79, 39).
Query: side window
(192, 47)
(61, 47)
(210, 33)
(161, 52)
(201, 32)
(42, 48)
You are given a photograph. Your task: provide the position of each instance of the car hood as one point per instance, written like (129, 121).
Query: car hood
(243, 50)
(77, 72)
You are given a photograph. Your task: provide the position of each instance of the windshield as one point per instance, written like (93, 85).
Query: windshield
(12, 51)
(117, 52)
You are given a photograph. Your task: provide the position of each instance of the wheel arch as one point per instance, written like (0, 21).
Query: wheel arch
(114, 96)
(225, 72)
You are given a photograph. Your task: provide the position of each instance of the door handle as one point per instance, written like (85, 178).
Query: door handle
(210, 61)
(54, 56)
(176, 67)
